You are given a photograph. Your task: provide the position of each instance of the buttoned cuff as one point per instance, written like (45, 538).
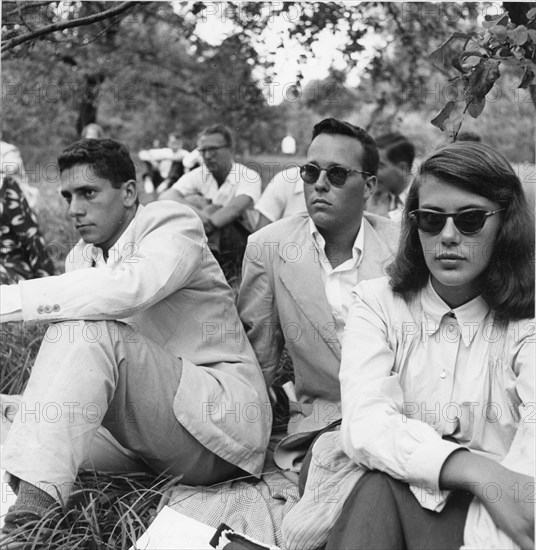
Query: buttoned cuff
(39, 300)
(425, 463)
(10, 303)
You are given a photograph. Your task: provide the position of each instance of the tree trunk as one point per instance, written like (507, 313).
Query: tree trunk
(87, 112)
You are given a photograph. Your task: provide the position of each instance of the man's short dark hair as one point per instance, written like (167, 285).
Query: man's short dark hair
(334, 126)
(107, 158)
(397, 147)
(222, 130)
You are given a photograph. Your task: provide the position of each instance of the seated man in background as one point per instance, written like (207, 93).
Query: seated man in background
(165, 165)
(397, 154)
(298, 274)
(223, 193)
(135, 346)
(282, 197)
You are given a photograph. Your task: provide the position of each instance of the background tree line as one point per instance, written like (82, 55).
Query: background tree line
(140, 69)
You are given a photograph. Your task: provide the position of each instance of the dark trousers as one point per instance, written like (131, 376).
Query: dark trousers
(382, 513)
(228, 244)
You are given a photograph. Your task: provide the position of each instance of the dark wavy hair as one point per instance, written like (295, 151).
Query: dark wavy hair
(334, 126)
(107, 158)
(508, 281)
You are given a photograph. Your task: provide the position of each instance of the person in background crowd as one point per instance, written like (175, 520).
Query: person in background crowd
(397, 154)
(164, 166)
(92, 131)
(11, 164)
(223, 193)
(23, 252)
(282, 197)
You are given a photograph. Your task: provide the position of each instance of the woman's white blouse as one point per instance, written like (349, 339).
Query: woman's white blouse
(419, 380)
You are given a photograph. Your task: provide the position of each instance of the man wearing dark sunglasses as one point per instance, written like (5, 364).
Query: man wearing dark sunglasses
(298, 274)
(223, 193)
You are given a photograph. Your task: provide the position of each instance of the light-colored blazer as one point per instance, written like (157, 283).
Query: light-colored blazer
(162, 280)
(282, 302)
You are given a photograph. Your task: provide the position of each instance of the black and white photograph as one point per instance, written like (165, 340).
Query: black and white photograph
(267, 275)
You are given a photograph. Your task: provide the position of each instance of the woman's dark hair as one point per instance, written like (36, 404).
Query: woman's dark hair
(108, 159)
(508, 281)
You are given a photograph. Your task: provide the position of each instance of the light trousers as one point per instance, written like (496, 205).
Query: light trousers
(90, 374)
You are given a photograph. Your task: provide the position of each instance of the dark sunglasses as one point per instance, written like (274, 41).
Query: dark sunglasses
(468, 222)
(337, 175)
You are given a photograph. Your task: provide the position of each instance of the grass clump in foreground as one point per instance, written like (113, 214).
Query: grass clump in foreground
(107, 511)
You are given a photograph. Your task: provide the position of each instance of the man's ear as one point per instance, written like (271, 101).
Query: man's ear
(370, 186)
(130, 193)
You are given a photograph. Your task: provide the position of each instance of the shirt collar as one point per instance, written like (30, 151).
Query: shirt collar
(121, 246)
(469, 316)
(320, 243)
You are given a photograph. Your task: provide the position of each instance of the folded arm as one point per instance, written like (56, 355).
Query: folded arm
(158, 262)
(231, 211)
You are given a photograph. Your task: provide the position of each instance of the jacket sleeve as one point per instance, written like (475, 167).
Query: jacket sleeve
(258, 309)
(166, 248)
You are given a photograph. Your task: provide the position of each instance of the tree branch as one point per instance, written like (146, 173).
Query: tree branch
(88, 20)
(22, 7)
(409, 40)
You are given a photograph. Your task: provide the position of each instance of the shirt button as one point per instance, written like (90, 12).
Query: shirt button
(40, 310)
(56, 307)
(48, 309)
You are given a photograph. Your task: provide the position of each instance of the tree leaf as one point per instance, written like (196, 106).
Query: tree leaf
(505, 51)
(443, 116)
(467, 60)
(528, 78)
(500, 33)
(483, 77)
(438, 56)
(475, 106)
(520, 35)
(491, 21)
(531, 14)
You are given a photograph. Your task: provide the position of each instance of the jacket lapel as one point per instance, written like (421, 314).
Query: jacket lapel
(303, 280)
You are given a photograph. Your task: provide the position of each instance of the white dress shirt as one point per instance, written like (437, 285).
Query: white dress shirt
(241, 180)
(418, 384)
(338, 281)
